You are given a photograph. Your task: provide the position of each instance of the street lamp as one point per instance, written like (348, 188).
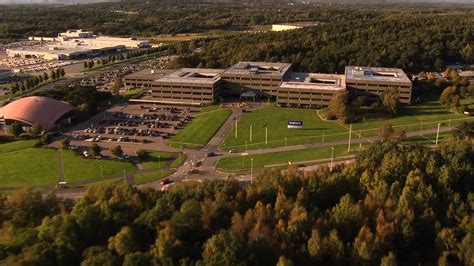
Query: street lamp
(101, 171)
(251, 170)
(159, 163)
(332, 157)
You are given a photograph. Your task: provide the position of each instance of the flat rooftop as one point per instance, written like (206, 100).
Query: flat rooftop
(193, 75)
(259, 68)
(151, 74)
(376, 74)
(314, 81)
(300, 24)
(63, 48)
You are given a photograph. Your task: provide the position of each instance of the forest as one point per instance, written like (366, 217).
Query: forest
(140, 18)
(396, 205)
(413, 42)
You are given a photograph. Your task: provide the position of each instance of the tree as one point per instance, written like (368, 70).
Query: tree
(117, 85)
(53, 75)
(45, 139)
(117, 151)
(16, 129)
(66, 143)
(86, 64)
(124, 242)
(91, 64)
(339, 104)
(45, 76)
(449, 97)
(143, 154)
(96, 149)
(386, 131)
(224, 248)
(391, 101)
(465, 130)
(36, 130)
(62, 72)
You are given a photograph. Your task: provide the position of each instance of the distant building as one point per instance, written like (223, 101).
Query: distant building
(268, 80)
(293, 26)
(75, 44)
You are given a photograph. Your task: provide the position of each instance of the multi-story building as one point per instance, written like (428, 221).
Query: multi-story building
(309, 89)
(144, 78)
(372, 82)
(187, 86)
(272, 80)
(255, 76)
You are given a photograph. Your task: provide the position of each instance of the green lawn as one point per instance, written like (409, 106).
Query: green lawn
(16, 145)
(77, 169)
(157, 160)
(148, 177)
(415, 117)
(242, 163)
(277, 119)
(178, 161)
(27, 166)
(201, 129)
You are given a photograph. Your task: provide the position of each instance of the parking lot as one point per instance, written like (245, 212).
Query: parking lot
(133, 126)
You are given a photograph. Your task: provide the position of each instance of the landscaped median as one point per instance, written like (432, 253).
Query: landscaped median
(242, 163)
(201, 129)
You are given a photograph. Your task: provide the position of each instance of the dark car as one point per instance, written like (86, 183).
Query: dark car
(211, 154)
(165, 181)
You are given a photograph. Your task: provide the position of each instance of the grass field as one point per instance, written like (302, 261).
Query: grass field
(27, 166)
(277, 119)
(201, 129)
(21, 165)
(16, 145)
(157, 160)
(422, 116)
(77, 169)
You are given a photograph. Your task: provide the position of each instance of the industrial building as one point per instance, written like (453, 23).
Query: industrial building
(75, 44)
(268, 80)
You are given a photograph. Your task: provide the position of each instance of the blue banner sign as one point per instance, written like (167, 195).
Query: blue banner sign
(295, 124)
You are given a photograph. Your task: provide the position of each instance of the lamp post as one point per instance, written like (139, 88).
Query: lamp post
(159, 163)
(251, 170)
(437, 134)
(101, 172)
(332, 157)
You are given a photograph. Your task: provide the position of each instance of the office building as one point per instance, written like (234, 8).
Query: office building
(268, 80)
(372, 82)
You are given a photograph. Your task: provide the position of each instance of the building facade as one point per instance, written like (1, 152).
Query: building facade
(372, 82)
(268, 80)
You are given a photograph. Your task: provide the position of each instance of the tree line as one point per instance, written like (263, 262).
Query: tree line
(405, 205)
(402, 38)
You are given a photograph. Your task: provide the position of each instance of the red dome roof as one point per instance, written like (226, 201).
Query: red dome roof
(36, 110)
